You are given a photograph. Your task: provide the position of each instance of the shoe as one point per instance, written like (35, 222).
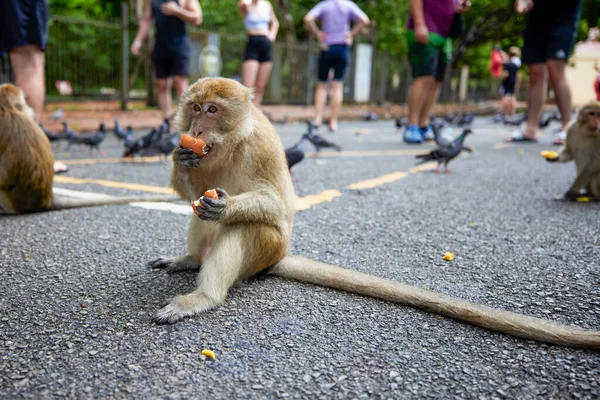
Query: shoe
(412, 134)
(519, 136)
(427, 133)
(559, 138)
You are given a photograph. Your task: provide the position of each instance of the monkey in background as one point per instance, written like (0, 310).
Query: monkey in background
(248, 228)
(583, 146)
(27, 163)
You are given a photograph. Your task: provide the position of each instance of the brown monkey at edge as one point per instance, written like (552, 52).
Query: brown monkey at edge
(248, 228)
(27, 163)
(583, 146)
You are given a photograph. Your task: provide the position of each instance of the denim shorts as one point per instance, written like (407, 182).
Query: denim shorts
(336, 57)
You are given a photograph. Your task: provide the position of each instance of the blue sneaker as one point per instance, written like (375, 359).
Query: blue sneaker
(427, 133)
(412, 134)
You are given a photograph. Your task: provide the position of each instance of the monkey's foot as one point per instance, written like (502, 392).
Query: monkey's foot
(173, 266)
(183, 306)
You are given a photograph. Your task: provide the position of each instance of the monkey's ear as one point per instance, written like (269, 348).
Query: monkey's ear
(19, 107)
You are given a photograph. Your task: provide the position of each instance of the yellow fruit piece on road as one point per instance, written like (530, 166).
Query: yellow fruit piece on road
(449, 256)
(583, 199)
(548, 154)
(208, 353)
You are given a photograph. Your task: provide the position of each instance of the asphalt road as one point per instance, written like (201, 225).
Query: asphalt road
(76, 296)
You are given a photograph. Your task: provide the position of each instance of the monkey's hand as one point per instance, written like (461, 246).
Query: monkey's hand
(210, 209)
(186, 158)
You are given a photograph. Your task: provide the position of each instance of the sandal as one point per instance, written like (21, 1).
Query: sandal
(517, 136)
(60, 168)
(559, 138)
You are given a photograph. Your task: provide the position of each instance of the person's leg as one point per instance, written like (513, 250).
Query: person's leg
(180, 84)
(511, 104)
(163, 95)
(562, 91)
(321, 90)
(340, 62)
(262, 79)
(320, 99)
(536, 96)
(430, 99)
(28, 66)
(337, 97)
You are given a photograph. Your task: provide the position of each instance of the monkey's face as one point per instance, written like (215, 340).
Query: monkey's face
(214, 110)
(12, 98)
(592, 117)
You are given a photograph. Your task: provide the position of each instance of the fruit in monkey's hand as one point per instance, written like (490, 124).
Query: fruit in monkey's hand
(198, 145)
(212, 194)
(583, 199)
(449, 256)
(549, 155)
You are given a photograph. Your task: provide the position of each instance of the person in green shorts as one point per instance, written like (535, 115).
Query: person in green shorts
(430, 50)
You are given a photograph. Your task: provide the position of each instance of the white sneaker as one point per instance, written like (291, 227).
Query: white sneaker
(560, 137)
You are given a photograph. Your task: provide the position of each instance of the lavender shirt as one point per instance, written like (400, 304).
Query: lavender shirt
(438, 16)
(335, 16)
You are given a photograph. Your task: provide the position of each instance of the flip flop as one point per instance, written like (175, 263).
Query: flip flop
(517, 136)
(559, 138)
(60, 168)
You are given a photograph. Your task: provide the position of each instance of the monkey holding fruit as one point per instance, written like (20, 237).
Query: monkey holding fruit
(247, 228)
(583, 146)
(27, 163)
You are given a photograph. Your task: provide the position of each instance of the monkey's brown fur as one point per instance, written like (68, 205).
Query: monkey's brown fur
(583, 146)
(253, 230)
(27, 163)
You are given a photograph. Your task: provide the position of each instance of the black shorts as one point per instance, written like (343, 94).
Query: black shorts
(508, 87)
(336, 57)
(23, 22)
(166, 67)
(550, 33)
(258, 48)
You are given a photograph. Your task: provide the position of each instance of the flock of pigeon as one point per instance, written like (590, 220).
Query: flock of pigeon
(158, 141)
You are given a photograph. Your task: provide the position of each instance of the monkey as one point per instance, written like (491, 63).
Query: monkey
(247, 229)
(27, 163)
(583, 146)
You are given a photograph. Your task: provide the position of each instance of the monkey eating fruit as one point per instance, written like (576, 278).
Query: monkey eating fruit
(247, 229)
(27, 163)
(582, 146)
(211, 194)
(197, 145)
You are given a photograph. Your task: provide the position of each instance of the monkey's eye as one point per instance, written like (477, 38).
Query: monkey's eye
(594, 113)
(212, 109)
(197, 108)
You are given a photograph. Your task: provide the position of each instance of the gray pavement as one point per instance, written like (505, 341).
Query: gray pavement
(76, 297)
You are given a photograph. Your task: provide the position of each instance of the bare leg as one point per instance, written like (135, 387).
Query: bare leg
(430, 99)
(180, 83)
(262, 79)
(511, 104)
(417, 98)
(320, 99)
(562, 91)
(337, 97)
(28, 66)
(536, 96)
(163, 87)
(249, 73)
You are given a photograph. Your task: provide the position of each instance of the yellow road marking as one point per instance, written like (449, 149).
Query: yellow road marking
(499, 146)
(370, 153)
(371, 183)
(423, 168)
(306, 202)
(114, 184)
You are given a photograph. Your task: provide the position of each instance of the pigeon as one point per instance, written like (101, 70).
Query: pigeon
(445, 154)
(58, 114)
(71, 136)
(163, 146)
(515, 120)
(134, 146)
(295, 154)
(119, 132)
(370, 116)
(465, 119)
(318, 141)
(442, 134)
(52, 136)
(400, 122)
(450, 118)
(94, 140)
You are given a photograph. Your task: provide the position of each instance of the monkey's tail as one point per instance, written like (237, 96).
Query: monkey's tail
(62, 202)
(306, 270)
